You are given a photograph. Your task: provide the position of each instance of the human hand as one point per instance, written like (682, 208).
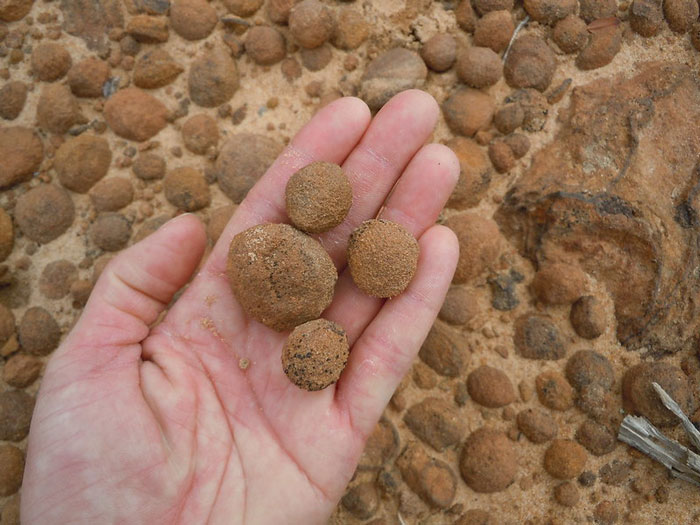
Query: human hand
(142, 424)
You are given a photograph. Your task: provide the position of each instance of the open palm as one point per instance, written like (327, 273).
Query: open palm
(161, 424)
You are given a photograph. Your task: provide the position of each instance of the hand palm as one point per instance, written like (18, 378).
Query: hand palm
(163, 425)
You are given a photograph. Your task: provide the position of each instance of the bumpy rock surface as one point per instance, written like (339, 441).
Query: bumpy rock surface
(280, 276)
(635, 235)
(82, 161)
(489, 461)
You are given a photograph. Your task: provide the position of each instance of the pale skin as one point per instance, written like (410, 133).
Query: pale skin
(139, 421)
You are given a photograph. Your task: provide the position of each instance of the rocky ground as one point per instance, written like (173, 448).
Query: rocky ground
(577, 210)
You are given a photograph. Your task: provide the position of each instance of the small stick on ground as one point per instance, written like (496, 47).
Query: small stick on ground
(515, 33)
(639, 433)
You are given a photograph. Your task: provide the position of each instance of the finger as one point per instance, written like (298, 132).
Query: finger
(415, 203)
(398, 131)
(386, 349)
(137, 285)
(330, 136)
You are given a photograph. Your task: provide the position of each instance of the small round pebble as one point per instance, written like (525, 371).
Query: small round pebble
(280, 276)
(112, 194)
(596, 438)
(479, 67)
(13, 96)
(558, 283)
(605, 513)
(537, 425)
(509, 118)
(530, 63)
(490, 387)
(474, 175)
(351, 30)
(570, 34)
(7, 324)
(362, 500)
(549, 11)
(483, 7)
(564, 459)
(193, 19)
(459, 306)
(57, 110)
(646, 17)
(311, 23)
(44, 213)
(82, 161)
(479, 241)
(494, 30)
(587, 367)
(639, 397)
(602, 47)
(489, 461)
(155, 68)
(149, 166)
(315, 354)
(681, 14)
(11, 469)
(467, 111)
(243, 7)
(566, 494)
(501, 156)
(87, 77)
(265, 45)
(213, 78)
(39, 333)
(199, 133)
(536, 337)
(242, 160)
(318, 197)
(518, 143)
(56, 279)
(134, 114)
(7, 235)
(22, 152)
(317, 58)
(588, 317)
(110, 231)
(16, 407)
(382, 257)
(553, 391)
(390, 73)
(443, 351)
(466, 18)
(591, 10)
(50, 61)
(186, 189)
(21, 370)
(218, 219)
(439, 52)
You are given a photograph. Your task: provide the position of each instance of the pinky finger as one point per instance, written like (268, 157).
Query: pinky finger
(385, 350)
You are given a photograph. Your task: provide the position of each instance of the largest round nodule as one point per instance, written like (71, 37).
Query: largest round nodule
(280, 276)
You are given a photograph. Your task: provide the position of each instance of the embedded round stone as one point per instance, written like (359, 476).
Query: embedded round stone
(280, 276)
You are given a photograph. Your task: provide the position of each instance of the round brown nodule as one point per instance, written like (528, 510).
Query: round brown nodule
(318, 197)
(315, 354)
(280, 276)
(383, 257)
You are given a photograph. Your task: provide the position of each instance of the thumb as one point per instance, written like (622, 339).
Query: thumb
(135, 287)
